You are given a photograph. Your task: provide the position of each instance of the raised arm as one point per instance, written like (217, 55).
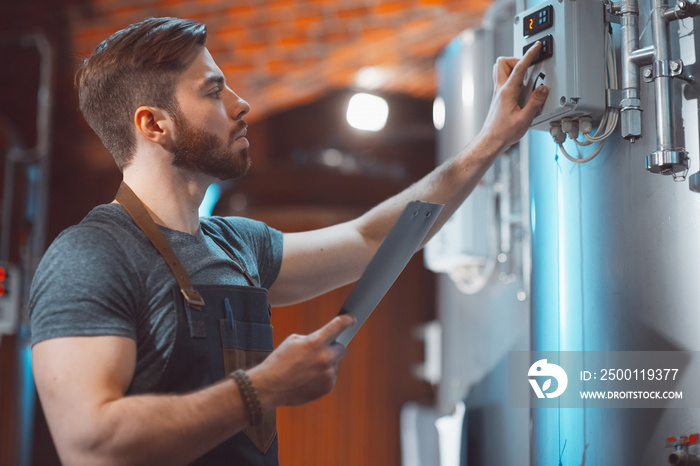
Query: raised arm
(317, 261)
(82, 382)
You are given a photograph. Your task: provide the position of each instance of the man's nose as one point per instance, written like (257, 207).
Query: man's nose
(238, 107)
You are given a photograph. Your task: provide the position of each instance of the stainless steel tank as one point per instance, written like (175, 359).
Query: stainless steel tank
(613, 253)
(614, 248)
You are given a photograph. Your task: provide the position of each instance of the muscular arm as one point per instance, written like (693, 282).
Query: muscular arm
(317, 261)
(82, 382)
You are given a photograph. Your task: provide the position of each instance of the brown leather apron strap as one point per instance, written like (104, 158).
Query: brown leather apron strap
(133, 205)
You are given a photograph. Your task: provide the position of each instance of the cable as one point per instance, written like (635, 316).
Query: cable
(583, 143)
(610, 118)
(584, 160)
(608, 122)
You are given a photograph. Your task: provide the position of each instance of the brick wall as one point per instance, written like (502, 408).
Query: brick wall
(278, 53)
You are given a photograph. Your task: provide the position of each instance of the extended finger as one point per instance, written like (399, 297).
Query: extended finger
(329, 332)
(520, 68)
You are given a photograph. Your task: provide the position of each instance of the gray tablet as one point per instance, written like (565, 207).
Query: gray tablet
(392, 256)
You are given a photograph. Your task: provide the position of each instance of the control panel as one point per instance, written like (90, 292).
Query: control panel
(571, 62)
(545, 52)
(9, 298)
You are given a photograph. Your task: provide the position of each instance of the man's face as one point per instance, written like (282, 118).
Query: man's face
(198, 150)
(208, 122)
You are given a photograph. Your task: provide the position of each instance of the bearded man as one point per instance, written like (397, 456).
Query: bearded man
(151, 328)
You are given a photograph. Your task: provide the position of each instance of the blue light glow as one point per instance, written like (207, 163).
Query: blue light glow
(27, 398)
(210, 199)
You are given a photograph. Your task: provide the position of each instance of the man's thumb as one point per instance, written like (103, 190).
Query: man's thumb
(541, 94)
(536, 101)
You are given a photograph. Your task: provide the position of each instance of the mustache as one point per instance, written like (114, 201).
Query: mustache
(240, 126)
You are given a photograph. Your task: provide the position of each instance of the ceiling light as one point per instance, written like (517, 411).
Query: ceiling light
(367, 112)
(439, 113)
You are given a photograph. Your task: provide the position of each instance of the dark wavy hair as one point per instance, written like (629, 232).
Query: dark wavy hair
(133, 67)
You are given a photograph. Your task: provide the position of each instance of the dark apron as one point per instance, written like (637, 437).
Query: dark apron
(226, 328)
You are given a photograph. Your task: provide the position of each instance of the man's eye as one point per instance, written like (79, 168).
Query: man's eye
(216, 95)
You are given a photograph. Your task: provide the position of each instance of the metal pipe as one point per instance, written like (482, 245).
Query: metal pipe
(683, 9)
(16, 148)
(668, 159)
(662, 81)
(643, 56)
(39, 189)
(630, 105)
(683, 458)
(43, 149)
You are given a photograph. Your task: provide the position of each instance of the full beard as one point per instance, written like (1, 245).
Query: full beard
(200, 151)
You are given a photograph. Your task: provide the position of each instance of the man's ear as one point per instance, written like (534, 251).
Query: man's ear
(154, 124)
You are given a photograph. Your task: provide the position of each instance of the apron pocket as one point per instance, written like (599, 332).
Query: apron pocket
(245, 345)
(248, 336)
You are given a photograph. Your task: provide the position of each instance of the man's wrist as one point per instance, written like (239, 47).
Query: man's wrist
(249, 394)
(490, 144)
(268, 390)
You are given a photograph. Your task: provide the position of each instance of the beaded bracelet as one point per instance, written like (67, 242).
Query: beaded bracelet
(249, 394)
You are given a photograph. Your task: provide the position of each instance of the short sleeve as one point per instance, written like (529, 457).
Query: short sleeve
(264, 243)
(267, 243)
(84, 286)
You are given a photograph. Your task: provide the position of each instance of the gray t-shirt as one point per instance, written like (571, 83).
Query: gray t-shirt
(104, 277)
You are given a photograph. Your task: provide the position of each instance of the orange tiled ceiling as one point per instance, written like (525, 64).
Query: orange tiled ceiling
(280, 53)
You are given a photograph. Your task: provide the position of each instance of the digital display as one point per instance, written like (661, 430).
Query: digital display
(538, 21)
(546, 51)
